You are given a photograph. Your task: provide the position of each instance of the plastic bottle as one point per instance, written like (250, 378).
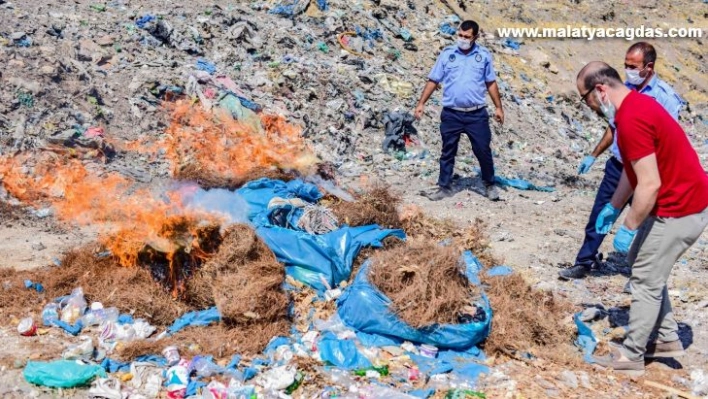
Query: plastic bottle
(204, 367)
(50, 313)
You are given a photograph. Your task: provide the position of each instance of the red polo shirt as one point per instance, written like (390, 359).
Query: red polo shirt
(644, 128)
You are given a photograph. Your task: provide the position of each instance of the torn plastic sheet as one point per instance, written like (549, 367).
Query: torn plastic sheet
(341, 353)
(499, 271)
(197, 318)
(258, 194)
(62, 373)
(451, 361)
(364, 308)
(292, 9)
(586, 339)
(521, 184)
(322, 261)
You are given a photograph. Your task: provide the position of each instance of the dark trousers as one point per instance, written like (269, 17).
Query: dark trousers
(593, 240)
(475, 125)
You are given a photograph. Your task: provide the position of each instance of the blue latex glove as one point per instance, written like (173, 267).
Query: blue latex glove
(623, 239)
(607, 217)
(586, 164)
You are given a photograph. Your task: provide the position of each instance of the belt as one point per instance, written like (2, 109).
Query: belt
(470, 109)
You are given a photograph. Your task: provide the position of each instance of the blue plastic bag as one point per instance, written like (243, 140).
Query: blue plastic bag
(521, 184)
(322, 261)
(364, 308)
(195, 319)
(205, 65)
(258, 194)
(341, 353)
(62, 373)
(586, 339)
(499, 271)
(142, 21)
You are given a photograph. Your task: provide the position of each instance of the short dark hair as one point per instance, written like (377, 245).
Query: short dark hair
(600, 74)
(648, 51)
(469, 24)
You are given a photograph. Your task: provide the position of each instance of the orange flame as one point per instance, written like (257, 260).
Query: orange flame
(229, 148)
(130, 218)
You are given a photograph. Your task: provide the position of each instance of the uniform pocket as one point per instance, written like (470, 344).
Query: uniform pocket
(477, 73)
(452, 71)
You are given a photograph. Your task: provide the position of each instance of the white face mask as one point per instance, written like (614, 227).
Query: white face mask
(608, 109)
(464, 44)
(633, 77)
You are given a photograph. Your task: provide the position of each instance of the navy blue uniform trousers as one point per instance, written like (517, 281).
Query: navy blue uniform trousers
(475, 125)
(593, 240)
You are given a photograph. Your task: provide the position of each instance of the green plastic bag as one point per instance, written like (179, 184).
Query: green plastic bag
(62, 373)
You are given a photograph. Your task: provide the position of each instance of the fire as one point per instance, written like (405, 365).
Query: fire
(226, 148)
(129, 220)
(139, 225)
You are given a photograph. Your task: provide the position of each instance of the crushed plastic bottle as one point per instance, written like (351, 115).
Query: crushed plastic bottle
(50, 314)
(74, 307)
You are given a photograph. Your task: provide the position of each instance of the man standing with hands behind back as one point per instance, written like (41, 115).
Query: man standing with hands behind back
(466, 72)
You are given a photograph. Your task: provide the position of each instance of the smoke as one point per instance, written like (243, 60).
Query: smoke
(330, 188)
(224, 204)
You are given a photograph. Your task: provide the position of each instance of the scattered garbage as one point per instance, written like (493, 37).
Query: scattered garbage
(27, 327)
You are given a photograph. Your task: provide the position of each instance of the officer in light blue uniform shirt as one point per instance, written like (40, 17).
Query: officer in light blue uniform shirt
(639, 66)
(466, 72)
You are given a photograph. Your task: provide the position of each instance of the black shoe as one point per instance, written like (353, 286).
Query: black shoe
(627, 288)
(492, 192)
(440, 194)
(597, 263)
(577, 271)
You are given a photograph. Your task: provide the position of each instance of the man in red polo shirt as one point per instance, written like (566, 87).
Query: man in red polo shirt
(668, 213)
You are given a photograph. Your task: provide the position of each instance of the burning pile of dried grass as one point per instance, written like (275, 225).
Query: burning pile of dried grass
(376, 206)
(101, 278)
(207, 180)
(425, 282)
(216, 150)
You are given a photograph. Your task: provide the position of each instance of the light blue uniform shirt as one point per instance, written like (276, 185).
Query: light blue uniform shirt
(463, 77)
(663, 94)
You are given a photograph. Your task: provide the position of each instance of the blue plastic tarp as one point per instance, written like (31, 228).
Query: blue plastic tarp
(322, 261)
(259, 193)
(341, 353)
(422, 393)
(206, 65)
(499, 271)
(521, 184)
(511, 43)
(364, 308)
(447, 361)
(586, 339)
(142, 21)
(322, 5)
(196, 318)
(114, 366)
(291, 9)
